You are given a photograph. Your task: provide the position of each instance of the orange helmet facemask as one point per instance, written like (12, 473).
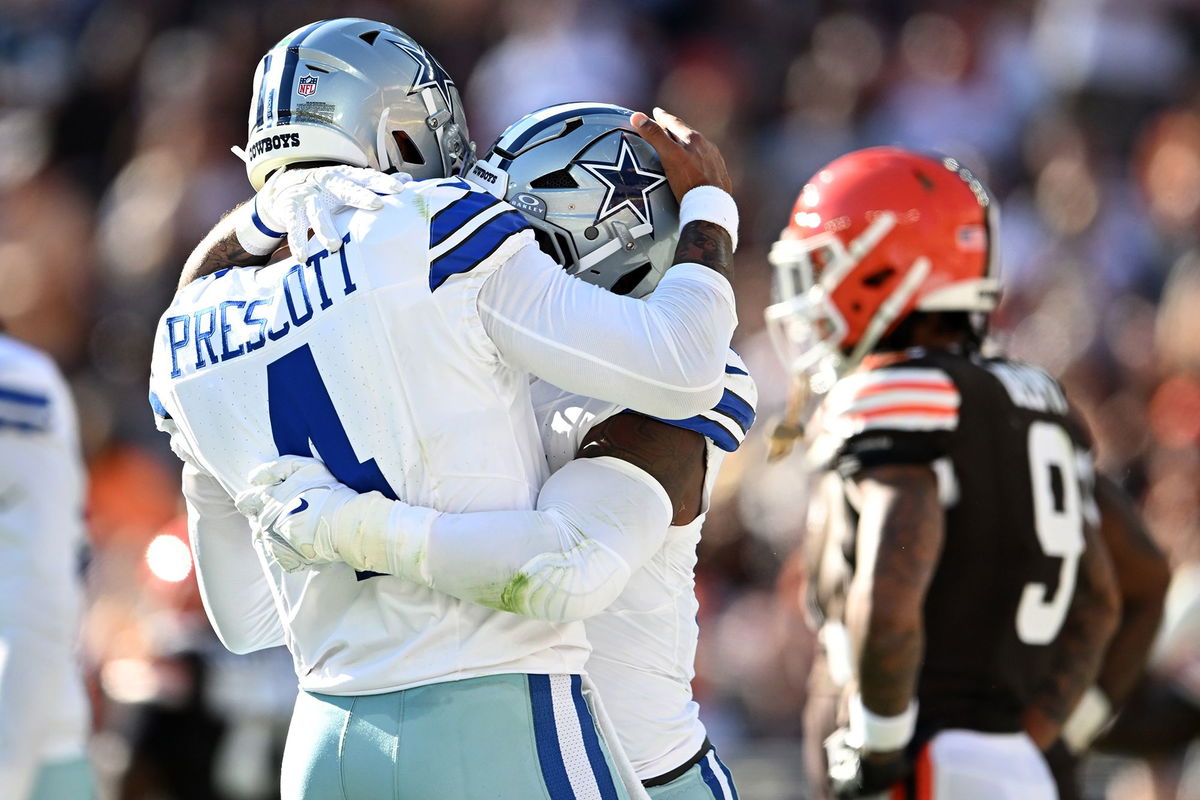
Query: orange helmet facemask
(875, 236)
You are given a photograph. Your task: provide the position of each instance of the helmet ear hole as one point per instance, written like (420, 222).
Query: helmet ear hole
(408, 149)
(560, 179)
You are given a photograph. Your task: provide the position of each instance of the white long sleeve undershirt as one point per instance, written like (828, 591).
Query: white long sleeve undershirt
(236, 593)
(597, 521)
(662, 355)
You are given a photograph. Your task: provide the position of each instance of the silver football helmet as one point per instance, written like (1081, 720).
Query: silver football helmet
(356, 92)
(593, 190)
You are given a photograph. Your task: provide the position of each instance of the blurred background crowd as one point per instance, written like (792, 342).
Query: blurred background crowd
(1083, 116)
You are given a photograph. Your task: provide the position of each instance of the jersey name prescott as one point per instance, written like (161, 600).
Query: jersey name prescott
(375, 360)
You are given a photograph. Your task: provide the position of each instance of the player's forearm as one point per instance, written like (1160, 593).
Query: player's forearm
(663, 355)
(596, 522)
(219, 249)
(1142, 575)
(1125, 660)
(1079, 648)
(708, 244)
(899, 542)
(889, 650)
(233, 586)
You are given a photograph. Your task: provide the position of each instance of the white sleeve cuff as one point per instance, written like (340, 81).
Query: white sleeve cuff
(1090, 716)
(880, 734)
(710, 204)
(253, 234)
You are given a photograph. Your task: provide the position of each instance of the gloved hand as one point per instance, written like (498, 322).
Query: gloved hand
(292, 503)
(295, 200)
(854, 774)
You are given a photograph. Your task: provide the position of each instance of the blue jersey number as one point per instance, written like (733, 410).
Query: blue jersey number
(302, 415)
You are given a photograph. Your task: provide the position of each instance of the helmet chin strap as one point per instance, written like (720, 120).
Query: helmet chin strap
(888, 311)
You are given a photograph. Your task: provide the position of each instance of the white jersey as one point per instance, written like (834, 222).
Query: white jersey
(644, 644)
(375, 360)
(45, 711)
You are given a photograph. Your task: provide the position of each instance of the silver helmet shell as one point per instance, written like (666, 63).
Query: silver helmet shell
(593, 190)
(356, 92)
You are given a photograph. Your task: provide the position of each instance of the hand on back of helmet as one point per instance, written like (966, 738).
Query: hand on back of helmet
(689, 160)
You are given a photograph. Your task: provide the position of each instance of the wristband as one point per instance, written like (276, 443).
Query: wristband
(254, 235)
(1091, 714)
(880, 734)
(710, 204)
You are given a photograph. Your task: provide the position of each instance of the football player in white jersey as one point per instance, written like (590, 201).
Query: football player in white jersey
(44, 715)
(636, 594)
(403, 362)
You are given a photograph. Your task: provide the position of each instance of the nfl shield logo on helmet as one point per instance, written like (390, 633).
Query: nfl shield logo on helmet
(308, 84)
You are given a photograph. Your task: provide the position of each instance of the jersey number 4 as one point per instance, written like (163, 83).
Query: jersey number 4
(1058, 520)
(303, 416)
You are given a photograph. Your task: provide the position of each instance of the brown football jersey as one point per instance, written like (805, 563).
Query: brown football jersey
(1015, 479)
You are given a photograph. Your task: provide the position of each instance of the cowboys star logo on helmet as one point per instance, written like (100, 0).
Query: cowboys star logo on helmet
(629, 184)
(431, 75)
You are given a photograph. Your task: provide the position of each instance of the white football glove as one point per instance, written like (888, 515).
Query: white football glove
(295, 200)
(291, 503)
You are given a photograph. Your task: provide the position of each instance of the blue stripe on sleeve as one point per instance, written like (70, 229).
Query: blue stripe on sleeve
(545, 733)
(24, 398)
(445, 222)
(730, 369)
(714, 431)
(591, 743)
(736, 409)
(262, 226)
(158, 407)
(22, 425)
(476, 247)
(710, 780)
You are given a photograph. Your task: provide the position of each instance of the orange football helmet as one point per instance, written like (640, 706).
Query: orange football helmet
(876, 235)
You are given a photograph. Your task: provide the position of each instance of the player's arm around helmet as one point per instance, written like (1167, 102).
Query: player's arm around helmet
(603, 515)
(663, 356)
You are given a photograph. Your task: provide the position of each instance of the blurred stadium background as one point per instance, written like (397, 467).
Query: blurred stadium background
(1082, 115)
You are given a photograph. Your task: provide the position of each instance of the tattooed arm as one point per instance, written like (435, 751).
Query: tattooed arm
(1080, 645)
(220, 248)
(1142, 576)
(674, 457)
(706, 243)
(900, 534)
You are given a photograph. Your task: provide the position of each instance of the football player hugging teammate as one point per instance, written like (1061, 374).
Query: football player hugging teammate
(590, 186)
(963, 588)
(403, 363)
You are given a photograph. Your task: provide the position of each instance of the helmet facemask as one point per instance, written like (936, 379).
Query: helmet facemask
(807, 328)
